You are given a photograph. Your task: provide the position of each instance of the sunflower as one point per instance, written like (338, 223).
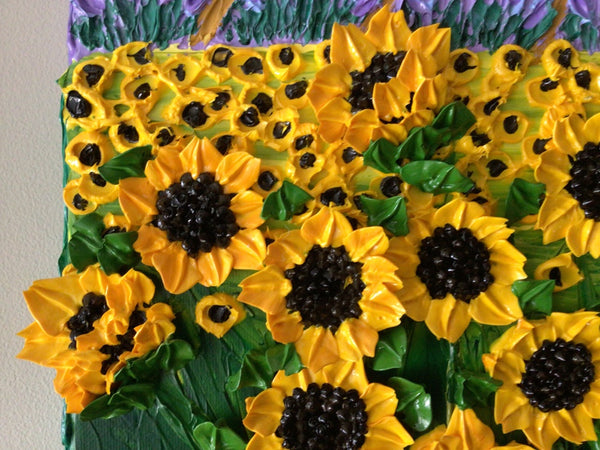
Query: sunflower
(349, 411)
(199, 186)
(457, 265)
(327, 289)
(549, 370)
(464, 432)
(380, 83)
(217, 313)
(570, 170)
(86, 322)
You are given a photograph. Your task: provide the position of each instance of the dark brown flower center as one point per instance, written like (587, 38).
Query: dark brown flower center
(383, 67)
(323, 417)
(454, 262)
(126, 341)
(196, 213)
(326, 287)
(92, 308)
(558, 375)
(584, 185)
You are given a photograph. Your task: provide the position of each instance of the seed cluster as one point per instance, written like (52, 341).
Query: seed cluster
(382, 69)
(326, 287)
(456, 262)
(193, 114)
(128, 132)
(219, 313)
(93, 73)
(558, 375)
(125, 341)
(77, 106)
(584, 185)
(335, 195)
(196, 213)
(93, 307)
(90, 155)
(324, 418)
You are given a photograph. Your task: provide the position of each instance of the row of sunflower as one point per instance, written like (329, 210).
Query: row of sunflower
(313, 242)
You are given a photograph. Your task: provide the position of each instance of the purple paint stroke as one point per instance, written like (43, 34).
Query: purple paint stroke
(588, 10)
(364, 7)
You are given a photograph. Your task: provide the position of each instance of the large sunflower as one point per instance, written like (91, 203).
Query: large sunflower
(87, 324)
(380, 83)
(457, 265)
(549, 370)
(464, 432)
(347, 411)
(570, 169)
(327, 289)
(197, 219)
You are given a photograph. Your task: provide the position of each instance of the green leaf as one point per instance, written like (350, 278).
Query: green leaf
(535, 297)
(128, 164)
(117, 252)
(390, 213)
(435, 176)
(466, 388)
(140, 396)
(390, 352)
(589, 288)
(170, 355)
(284, 357)
(413, 402)
(82, 250)
(382, 155)
(211, 437)
(282, 204)
(456, 118)
(523, 199)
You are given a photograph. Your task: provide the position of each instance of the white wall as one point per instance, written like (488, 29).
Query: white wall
(32, 56)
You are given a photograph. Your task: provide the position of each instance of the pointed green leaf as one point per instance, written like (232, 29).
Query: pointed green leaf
(211, 437)
(140, 396)
(117, 253)
(382, 155)
(390, 352)
(589, 288)
(390, 213)
(413, 403)
(435, 177)
(128, 164)
(282, 204)
(523, 199)
(535, 297)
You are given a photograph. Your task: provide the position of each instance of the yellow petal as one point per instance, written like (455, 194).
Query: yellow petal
(247, 206)
(264, 412)
(288, 250)
(433, 44)
(388, 31)
(448, 318)
(330, 82)
(165, 169)
(285, 326)
(203, 318)
(490, 229)
(131, 290)
(266, 290)
(415, 298)
(472, 432)
(41, 348)
(574, 425)
(390, 99)
(458, 213)
(326, 228)
(333, 117)
(248, 250)
(507, 263)
(387, 434)
(377, 269)
(403, 253)
(508, 402)
(214, 267)
(200, 156)
(380, 308)
(569, 135)
(356, 339)
(496, 306)
(368, 241)
(52, 302)
(317, 347)
(270, 442)
(568, 270)
(137, 198)
(346, 374)
(381, 402)
(150, 241)
(177, 270)
(350, 48)
(541, 433)
(361, 129)
(237, 172)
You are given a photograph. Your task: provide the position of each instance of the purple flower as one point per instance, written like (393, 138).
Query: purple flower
(88, 7)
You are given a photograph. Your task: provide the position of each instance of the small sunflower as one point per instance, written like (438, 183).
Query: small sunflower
(327, 289)
(380, 83)
(571, 172)
(457, 265)
(217, 313)
(549, 370)
(197, 219)
(349, 412)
